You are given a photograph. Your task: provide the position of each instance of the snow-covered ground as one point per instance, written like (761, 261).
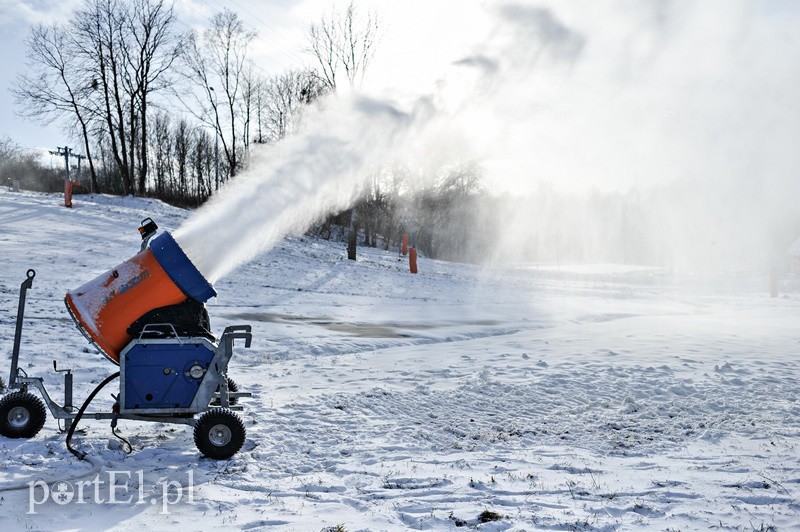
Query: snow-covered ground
(558, 398)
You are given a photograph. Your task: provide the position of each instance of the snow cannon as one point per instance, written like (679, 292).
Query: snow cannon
(148, 316)
(160, 275)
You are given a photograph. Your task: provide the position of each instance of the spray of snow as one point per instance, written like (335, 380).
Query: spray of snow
(676, 114)
(288, 187)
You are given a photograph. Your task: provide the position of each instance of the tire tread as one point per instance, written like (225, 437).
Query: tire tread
(36, 408)
(213, 417)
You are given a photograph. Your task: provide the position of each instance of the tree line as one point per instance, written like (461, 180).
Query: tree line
(25, 168)
(172, 114)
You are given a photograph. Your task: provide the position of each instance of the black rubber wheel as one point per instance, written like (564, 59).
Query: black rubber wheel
(219, 434)
(22, 415)
(232, 387)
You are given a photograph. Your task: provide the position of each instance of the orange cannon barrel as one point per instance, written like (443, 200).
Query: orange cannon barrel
(159, 276)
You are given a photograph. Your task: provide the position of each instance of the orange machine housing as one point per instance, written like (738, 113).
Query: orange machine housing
(107, 305)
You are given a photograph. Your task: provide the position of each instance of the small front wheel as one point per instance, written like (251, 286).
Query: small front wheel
(219, 434)
(22, 415)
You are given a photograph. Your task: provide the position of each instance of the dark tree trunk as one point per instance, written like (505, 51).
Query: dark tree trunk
(352, 237)
(92, 173)
(143, 154)
(351, 246)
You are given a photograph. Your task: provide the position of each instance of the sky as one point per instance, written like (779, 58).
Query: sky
(655, 88)
(280, 46)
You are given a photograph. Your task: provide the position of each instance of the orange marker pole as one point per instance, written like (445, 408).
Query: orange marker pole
(412, 260)
(404, 246)
(67, 193)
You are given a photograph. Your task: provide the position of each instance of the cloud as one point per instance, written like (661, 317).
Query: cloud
(23, 13)
(537, 28)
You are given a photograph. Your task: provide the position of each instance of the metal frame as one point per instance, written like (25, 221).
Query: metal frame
(215, 376)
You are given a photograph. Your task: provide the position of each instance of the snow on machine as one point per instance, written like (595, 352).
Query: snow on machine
(146, 315)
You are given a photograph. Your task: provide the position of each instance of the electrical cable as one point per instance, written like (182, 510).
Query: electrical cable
(80, 454)
(122, 439)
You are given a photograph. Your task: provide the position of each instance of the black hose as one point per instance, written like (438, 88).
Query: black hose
(80, 454)
(122, 439)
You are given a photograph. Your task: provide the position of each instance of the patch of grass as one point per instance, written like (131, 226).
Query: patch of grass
(456, 520)
(487, 516)
(334, 528)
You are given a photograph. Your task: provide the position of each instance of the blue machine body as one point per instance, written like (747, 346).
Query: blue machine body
(157, 374)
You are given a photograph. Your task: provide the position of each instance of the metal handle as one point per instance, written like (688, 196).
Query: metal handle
(241, 332)
(55, 368)
(147, 229)
(154, 326)
(26, 285)
(236, 328)
(28, 282)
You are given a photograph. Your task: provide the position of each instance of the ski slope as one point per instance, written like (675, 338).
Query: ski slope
(558, 398)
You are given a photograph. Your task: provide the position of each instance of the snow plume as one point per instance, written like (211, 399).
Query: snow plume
(667, 129)
(663, 134)
(290, 186)
(321, 170)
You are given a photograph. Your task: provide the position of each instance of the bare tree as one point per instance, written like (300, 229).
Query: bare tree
(285, 96)
(55, 85)
(324, 45)
(102, 69)
(357, 42)
(182, 148)
(99, 39)
(344, 41)
(17, 164)
(462, 180)
(153, 48)
(217, 64)
(250, 88)
(201, 157)
(126, 49)
(261, 99)
(162, 150)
